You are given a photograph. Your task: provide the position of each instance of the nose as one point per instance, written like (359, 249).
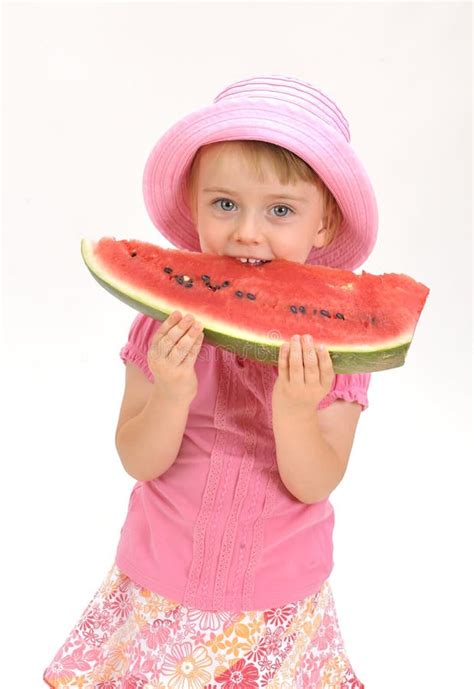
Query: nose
(248, 229)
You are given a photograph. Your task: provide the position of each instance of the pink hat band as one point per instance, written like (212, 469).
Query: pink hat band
(280, 110)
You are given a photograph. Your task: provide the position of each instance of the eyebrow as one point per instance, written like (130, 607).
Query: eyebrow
(269, 196)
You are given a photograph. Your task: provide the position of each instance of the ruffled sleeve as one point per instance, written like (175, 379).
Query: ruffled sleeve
(348, 386)
(139, 338)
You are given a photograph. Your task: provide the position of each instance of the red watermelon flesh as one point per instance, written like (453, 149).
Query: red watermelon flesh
(366, 321)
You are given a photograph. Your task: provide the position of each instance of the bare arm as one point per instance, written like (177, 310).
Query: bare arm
(313, 450)
(153, 415)
(149, 443)
(312, 445)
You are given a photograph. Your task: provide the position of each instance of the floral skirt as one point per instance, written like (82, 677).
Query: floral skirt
(132, 638)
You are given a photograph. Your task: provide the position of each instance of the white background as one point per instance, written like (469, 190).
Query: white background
(87, 90)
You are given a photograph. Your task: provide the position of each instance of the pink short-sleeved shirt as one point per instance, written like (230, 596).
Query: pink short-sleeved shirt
(219, 530)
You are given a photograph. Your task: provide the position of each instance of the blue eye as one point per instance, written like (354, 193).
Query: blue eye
(219, 201)
(285, 208)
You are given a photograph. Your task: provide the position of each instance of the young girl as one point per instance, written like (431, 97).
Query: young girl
(221, 571)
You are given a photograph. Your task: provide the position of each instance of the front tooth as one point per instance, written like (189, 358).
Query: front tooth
(253, 260)
(243, 260)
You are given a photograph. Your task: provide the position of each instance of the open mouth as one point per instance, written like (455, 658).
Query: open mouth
(253, 261)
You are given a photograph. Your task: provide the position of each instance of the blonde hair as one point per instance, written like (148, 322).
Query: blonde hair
(288, 167)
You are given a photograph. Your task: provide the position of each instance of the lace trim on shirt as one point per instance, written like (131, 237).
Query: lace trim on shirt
(268, 378)
(224, 402)
(248, 459)
(205, 512)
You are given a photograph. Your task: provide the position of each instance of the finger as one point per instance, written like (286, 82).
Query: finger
(168, 323)
(183, 346)
(296, 361)
(283, 364)
(166, 326)
(325, 366)
(165, 341)
(191, 356)
(310, 361)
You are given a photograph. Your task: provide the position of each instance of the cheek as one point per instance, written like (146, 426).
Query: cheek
(286, 247)
(282, 245)
(210, 238)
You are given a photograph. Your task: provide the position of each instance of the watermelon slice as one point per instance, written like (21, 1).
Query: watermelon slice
(365, 321)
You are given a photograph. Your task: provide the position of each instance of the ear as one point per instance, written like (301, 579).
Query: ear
(320, 236)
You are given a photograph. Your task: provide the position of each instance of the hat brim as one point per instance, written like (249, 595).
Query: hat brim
(318, 144)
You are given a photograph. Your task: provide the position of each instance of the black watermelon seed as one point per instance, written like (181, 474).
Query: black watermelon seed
(251, 296)
(134, 253)
(206, 278)
(339, 315)
(225, 284)
(302, 309)
(180, 279)
(239, 293)
(326, 313)
(189, 284)
(294, 309)
(168, 269)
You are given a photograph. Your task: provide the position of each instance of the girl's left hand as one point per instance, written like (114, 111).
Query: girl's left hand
(305, 376)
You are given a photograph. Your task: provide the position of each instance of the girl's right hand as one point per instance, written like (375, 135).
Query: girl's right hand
(172, 355)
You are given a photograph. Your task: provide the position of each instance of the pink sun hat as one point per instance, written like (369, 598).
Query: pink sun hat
(281, 110)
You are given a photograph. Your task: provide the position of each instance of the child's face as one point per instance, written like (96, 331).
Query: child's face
(243, 216)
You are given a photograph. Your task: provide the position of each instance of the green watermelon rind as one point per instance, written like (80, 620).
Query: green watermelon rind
(361, 360)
